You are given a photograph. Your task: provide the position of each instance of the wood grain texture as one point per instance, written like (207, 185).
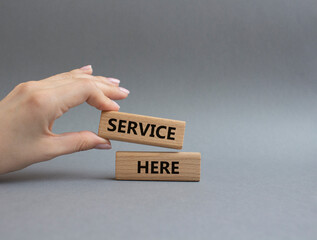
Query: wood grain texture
(158, 166)
(142, 129)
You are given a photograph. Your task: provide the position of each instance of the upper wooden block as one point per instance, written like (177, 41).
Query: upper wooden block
(142, 129)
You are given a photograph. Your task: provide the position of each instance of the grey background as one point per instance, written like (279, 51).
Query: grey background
(242, 73)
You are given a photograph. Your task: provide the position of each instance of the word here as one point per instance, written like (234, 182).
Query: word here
(165, 166)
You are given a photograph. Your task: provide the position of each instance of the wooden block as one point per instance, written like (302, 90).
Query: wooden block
(158, 166)
(142, 129)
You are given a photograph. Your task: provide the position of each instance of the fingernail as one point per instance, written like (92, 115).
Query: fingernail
(103, 146)
(88, 67)
(114, 80)
(116, 104)
(124, 90)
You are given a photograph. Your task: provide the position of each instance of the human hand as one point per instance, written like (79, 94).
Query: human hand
(28, 112)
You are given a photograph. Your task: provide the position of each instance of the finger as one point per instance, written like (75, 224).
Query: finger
(98, 100)
(75, 75)
(66, 77)
(115, 81)
(113, 92)
(71, 142)
(85, 69)
(112, 81)
(79, 76)
(85, 90)
(71, 74)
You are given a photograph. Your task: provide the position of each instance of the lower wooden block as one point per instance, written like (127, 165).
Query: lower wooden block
(158, 166)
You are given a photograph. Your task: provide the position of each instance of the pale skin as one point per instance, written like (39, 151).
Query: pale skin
(28, 112)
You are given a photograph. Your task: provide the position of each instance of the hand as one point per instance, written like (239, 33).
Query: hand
(28, 113)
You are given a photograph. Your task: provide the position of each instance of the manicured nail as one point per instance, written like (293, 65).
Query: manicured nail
(124, 90)
(88, 67)
(103, 146)
(116, 103)
(114, 80)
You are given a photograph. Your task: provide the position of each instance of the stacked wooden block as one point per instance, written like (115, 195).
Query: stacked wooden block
(170, 166)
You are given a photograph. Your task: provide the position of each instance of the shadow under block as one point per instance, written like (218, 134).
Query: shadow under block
(142, 129)
(158, 166)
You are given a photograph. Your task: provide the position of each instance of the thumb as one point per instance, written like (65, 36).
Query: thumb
(71, 142)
